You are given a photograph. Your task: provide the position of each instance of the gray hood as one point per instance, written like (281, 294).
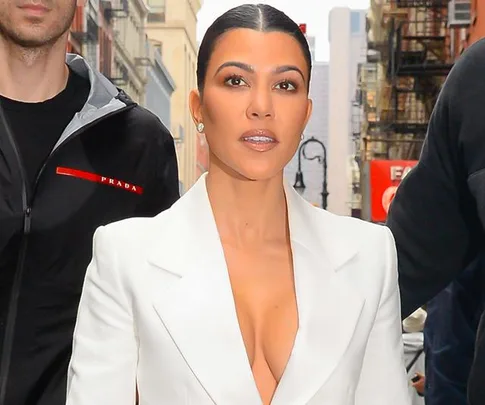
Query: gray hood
(103, 98)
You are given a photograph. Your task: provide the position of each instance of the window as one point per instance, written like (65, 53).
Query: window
(105, 46)
(158, 17)
(459, 13)
(158, 47)
(157, 11)
(156, 3)
(355, 22)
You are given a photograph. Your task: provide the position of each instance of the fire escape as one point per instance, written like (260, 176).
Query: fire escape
(411, 48)
(114, 12)
(418, 61)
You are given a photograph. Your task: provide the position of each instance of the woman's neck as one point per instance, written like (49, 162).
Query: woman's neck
(247, 212)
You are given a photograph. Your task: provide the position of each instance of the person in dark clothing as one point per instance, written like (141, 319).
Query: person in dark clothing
(449, 336)
(75, 154)
(438, 214)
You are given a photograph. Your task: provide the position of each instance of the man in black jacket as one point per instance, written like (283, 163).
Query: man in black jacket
(438, 214)
(75, 153)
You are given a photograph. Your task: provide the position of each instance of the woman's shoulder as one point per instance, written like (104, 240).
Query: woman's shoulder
(133, 233)
(351, 222)
(353, 230)
(371, 265)
(368, 245)
(339, 236)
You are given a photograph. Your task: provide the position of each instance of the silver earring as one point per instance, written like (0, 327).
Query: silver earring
(302, 137)
(200, 127)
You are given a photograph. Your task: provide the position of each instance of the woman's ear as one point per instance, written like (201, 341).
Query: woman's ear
(309, 111)
(195, 106)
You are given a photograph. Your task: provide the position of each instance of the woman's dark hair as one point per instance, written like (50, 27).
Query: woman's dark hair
(259, 17)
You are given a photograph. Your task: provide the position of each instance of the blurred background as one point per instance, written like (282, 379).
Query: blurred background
(378, 68)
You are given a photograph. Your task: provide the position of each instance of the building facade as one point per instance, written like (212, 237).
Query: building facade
(347, 37)
(467, 24)
(172, 25)
(130, 53)
(91, 35)
(90, 39)
(105, 39)
(159, 87)
(476, 30)
(74, 44)
(317, 127)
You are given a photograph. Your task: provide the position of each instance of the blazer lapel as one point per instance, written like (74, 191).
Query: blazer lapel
(328, 307)
(198, 309)
(199, 313)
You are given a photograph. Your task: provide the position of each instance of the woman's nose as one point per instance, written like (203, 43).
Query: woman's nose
(261, 104)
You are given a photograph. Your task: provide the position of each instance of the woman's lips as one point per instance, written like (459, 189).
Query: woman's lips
(260, 140)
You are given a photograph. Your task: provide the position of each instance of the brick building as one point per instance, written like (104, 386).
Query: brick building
(74, 44)
(92, 35)
(467, 23)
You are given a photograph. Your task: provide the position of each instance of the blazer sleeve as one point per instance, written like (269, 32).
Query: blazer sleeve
(383, 378)
(103, 364)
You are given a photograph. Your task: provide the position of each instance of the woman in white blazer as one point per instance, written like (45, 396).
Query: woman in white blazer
(242, 293)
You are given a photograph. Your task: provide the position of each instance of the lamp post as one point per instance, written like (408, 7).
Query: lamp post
(322, 159)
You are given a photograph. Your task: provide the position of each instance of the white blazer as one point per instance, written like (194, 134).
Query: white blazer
(157, 313)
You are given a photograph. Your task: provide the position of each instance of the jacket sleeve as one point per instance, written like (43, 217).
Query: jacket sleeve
(383, 378)
(162, 188)
(433, 215)
(103, 364)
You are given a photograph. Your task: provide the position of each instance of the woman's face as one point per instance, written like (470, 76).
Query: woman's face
(255, 104)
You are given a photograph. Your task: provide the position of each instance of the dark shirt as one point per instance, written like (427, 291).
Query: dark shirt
(37, 126)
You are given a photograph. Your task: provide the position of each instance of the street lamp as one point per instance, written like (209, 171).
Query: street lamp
(322, 159)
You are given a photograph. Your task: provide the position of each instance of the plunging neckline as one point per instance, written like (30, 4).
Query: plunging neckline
(296, 337)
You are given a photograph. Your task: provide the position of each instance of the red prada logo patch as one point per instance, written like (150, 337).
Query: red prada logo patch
(64, 171)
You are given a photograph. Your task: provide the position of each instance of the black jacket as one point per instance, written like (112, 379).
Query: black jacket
(449, 336)
(115, 160)
(438, 214)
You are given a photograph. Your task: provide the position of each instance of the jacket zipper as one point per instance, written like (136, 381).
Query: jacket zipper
(14, 294)
(6, 350)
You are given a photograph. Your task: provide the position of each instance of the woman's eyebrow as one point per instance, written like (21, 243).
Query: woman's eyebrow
(240, 65)
(289, 68)
(250, 69)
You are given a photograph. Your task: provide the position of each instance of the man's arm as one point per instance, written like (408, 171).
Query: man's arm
(433, 216)
(162, 189)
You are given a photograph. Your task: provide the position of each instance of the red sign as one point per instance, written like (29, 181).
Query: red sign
(385, 177)
(97, 178)
(302, 28)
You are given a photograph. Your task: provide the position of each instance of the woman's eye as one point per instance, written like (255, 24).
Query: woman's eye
(235, 81)
(286, 86)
